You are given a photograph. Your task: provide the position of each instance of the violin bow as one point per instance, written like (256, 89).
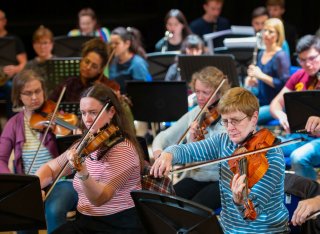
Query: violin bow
(80, 146)
(108, 62)
(215, 161)
(47, 128)
(203, 109)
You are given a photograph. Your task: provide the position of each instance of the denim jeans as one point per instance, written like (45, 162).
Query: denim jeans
(264, 115)
(304, 155)
(61, 200)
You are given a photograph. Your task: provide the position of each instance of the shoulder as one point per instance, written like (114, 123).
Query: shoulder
(223, 21)
(197, 21)
(125, 147)
(15, 121)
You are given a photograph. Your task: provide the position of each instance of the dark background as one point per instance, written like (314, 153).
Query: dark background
(147, 15)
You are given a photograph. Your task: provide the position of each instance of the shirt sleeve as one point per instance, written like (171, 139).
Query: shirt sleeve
(282, 64)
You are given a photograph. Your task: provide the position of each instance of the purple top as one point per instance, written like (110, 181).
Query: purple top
(13, 138)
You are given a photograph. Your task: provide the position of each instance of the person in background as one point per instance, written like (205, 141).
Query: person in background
(305, 155)
(272, 68)
(199, 185)
(177, 29)
(94, 58)
(309, 192)
(238, 108)
(7, 71)
(211, 21)
(28, 94)
(42, 42)
(108, 173)
(258, 17)
(88, 26)
(129, 57)
(192, 45)
(276, 9)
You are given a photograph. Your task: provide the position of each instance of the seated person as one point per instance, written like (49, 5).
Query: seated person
(192, 45)
(42, 42)
(238, 108)
(177, 29)
(129, 57)
(8, 71)
(304, 156)
(199, 185)
(211, 21)
(309, 192)
(267, 77)
(88, 26)
(108, 173)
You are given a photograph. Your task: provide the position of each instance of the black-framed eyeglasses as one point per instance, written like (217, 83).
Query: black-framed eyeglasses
(233, 122)
(309, 59)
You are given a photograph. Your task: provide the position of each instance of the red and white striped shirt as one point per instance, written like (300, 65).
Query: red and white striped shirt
(120, 168)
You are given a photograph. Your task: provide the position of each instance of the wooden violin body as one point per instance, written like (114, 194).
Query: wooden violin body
(254, 165)
(64, 122)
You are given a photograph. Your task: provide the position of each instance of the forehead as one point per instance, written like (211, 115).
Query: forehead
(86, 18)
(310, 52)
(90, 103)
(115, 38)
(200, 85)
(173, 20)
(261, 18)
(31, 85)
(232, 115)
(94, 57)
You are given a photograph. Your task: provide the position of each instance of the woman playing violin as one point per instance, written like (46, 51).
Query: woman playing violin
(29, 94)
(239, 114)
(106, 176)
(199, 185)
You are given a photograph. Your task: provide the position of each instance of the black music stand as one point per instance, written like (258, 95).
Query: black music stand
(21, 205)
(58, 69)
(161, 213)
(192, 63)
(158, 101)
(65, 46)
(71, 107)
(64, 142)
(300, 106)
(242, 55)
(159, 64)
(7, 51)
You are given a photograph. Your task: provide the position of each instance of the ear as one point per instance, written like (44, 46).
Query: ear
(112, 111)
(255, 117)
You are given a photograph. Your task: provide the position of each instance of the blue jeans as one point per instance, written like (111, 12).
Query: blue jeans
(304, 155)
(5, 94)
(61, 200)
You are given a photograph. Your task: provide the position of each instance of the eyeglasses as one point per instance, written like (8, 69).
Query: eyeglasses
(37, 92)
(268, 31)
(310, 59)
(233, 122)
(92, 65)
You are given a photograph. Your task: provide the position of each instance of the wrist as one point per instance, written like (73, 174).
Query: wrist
(83, 177)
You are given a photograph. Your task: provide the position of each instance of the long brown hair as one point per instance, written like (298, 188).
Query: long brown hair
(102, 93)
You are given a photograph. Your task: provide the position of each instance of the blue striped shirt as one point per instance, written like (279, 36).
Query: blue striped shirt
(267, 194)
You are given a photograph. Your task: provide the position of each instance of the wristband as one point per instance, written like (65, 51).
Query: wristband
(83, 177)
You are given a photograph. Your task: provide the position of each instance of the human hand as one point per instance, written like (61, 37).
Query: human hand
(162, 165)
(313, 125)
(43, 194)
(237, 186)
(75, 160)
(255, 71)
(194, 131)
(250, 82)
(304, 209)
(10, 70)
(283, 120)
(156, 154)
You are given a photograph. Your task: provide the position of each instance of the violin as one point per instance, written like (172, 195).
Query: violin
(64, 122)
(254, 165)
(206, 119)
(103, 140)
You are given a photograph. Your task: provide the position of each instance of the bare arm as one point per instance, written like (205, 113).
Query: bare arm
(11, 70)
(276, 109)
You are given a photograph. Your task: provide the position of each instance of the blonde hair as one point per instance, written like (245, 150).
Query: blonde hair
(278, 26)
(212, 77)
(238, 99)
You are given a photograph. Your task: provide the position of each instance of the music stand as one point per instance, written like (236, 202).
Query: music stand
(65, 46)
(242, 55)
(159, 63)
(21, 205)
(158, 101)
(161, 213)
(58, 69)
(7, 51)
(192, 63)
(64, 142)
(300, 106)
